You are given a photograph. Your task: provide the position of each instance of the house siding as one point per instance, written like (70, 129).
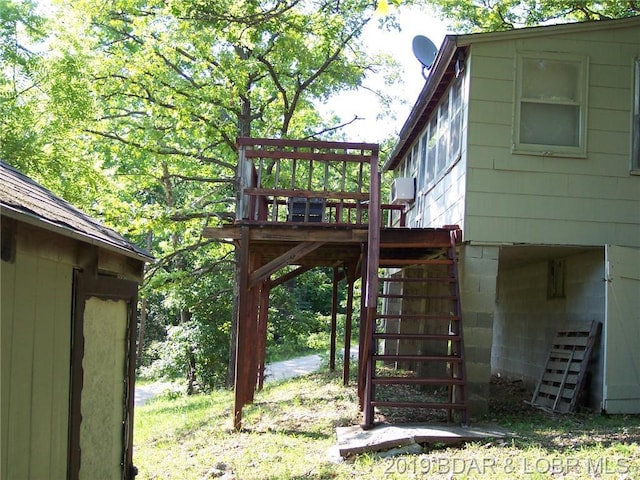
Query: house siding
(443, 204)
(504, 199)
(520, 198)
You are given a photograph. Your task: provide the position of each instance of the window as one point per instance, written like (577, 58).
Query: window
(635, 149)
(441, 140)
(551, 105)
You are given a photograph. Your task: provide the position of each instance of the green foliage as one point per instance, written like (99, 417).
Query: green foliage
(192, 345)
(497, 15)
(44, 101)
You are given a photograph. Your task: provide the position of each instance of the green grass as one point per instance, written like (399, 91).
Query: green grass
(291, 426)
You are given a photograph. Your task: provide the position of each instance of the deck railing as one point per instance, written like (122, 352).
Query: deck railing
(325, 183)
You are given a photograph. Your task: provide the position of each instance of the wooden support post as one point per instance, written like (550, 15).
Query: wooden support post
(347, 333)
(362, 353)
(254, 340)
(242, 367)
(262, 330)
(334, 320)
(370, 366)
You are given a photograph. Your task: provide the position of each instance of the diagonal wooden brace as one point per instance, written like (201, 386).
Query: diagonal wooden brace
(287, 258)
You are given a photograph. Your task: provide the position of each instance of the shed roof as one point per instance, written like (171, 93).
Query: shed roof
(26, 200)
(443, 71)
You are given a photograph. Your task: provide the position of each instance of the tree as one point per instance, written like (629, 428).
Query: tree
(497, 15)
(175, 83)
(44, 102)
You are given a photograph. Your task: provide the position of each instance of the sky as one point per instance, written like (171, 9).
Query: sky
(363, 103)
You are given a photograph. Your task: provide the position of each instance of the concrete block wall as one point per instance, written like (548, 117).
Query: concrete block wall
(478, 270)
(526, 320)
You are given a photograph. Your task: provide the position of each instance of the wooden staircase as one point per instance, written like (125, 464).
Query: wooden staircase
(414, 351)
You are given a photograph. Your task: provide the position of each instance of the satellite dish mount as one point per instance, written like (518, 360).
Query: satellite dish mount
(425, 51)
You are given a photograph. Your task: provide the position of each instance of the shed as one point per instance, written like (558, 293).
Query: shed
(68, 314)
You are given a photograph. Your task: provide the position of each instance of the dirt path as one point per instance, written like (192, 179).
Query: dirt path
(275, 371)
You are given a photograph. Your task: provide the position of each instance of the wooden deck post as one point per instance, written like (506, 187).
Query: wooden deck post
(334, 320)
(362, 353)
(242, 337)
(262, 330)
(347, 332)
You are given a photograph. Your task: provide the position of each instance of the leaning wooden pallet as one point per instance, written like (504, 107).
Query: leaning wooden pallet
(564, 374)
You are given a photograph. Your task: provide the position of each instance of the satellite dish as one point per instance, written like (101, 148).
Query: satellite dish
(425, 51)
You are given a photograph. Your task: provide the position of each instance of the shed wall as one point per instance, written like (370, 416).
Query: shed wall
(35, 312)
(36, 326)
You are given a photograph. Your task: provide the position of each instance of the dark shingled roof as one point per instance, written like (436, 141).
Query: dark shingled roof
(23, 199)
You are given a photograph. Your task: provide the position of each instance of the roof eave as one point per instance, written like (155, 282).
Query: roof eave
(445, 56)
(37, 221)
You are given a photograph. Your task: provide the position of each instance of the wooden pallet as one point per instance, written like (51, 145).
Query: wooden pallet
(564, 373)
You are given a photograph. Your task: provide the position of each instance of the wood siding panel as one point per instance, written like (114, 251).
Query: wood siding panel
(555, 207)
(36, 373)
(489, 135)
(546, 231)
(20, 393)
(490, 112)
(61, 357)
(7, 289)
(493, 67)
(493, 90)
(622, 329)
(43, 368)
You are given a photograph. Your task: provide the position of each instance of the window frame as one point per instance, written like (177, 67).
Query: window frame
(581, 102)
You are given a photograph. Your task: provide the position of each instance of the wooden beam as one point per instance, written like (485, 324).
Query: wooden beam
(283, 192)
(290, 276)
(290, 233)
(316, 144)
(287, 258)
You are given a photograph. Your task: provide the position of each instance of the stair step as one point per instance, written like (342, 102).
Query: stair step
(417, 381)
(403, 262)
(418, 280)
(418, 244)
(424, 297)
(418, 358)
(432, 405)
(416, 316)
(415, 336)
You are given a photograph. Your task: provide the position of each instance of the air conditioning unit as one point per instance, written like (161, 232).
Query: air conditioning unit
(403, 190)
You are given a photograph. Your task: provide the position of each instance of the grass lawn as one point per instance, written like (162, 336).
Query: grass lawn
(290, 427)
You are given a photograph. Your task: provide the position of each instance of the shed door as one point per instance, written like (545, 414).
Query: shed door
(102, 386)
(621, 331)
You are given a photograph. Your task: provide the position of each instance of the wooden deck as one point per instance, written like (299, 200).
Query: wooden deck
(307, 204)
